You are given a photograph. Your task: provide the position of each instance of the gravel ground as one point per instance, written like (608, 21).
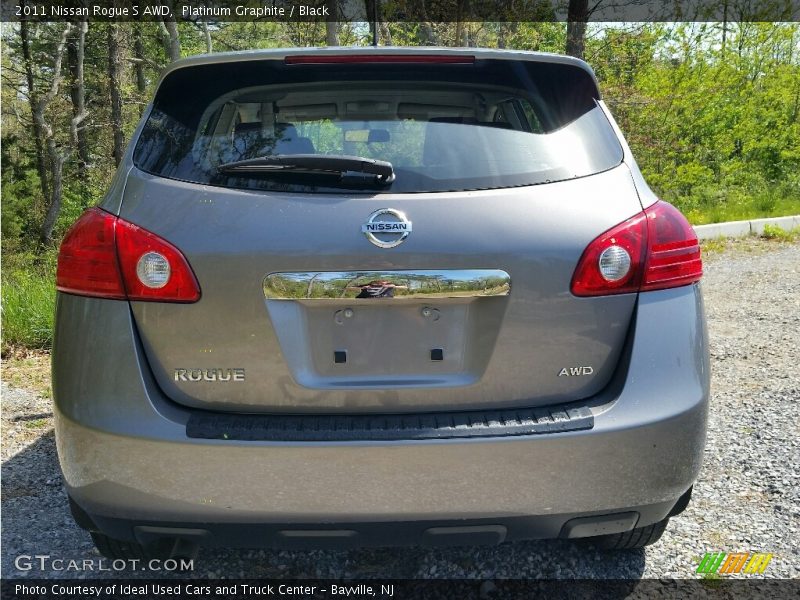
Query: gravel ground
(747, 497)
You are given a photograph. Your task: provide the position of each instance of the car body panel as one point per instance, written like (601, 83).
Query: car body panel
(124, 450)
(282, 53)
(233, 239)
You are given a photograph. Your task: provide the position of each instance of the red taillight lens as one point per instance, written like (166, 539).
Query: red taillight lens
(663, 251)
(100, 255)
(133, 243)
(631, 236)
(327, 59)
(87, 260)
(674, 253)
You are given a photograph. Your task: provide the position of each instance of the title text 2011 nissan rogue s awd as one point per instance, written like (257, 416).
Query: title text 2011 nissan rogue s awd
(378, 296)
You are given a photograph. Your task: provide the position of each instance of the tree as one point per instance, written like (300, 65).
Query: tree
(115, 90)
(461, 27)
(170, 36)
(139, 58)
(207, 38)
(332, 26)
(76, 52)
(38, 131)
(55, 155)
(577, 17)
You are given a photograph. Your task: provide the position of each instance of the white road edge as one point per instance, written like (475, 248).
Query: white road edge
(745, 228)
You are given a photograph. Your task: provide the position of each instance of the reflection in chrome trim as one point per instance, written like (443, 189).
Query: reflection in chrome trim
(337, 285)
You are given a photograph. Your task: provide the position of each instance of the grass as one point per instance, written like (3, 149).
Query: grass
(751, 208)
(715, 245)
(772, 232)
(28, 301)
(772, 237)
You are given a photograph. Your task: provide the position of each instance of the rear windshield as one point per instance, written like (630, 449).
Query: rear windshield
(443, 127)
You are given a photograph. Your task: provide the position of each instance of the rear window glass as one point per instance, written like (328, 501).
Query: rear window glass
(443, 127)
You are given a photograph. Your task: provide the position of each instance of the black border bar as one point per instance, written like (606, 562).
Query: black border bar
(618, 11)
(381, 589)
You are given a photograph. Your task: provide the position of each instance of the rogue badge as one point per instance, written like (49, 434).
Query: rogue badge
(386, 228)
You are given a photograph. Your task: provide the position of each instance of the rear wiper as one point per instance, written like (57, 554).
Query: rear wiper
(340, 166)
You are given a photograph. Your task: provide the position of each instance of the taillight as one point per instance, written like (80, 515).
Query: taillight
(326, 59)
(629, 237)
(653, 250)
(674, 252)
(108, 257)
(87, 260)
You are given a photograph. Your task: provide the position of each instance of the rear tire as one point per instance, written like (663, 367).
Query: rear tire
(118, 549)
(628, 540)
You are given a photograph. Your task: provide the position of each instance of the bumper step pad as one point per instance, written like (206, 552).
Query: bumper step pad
(336, 428)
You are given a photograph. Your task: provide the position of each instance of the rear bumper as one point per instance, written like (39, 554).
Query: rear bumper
(397, 532)
(129, 464)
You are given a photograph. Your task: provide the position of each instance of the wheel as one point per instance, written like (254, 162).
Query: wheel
(635, 538)
(111, 548)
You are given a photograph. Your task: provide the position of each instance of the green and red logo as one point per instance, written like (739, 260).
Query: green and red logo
(726, 563)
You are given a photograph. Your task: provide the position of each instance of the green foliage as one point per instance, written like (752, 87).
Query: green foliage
(714, 245)
(773, 232)
(714, 127)
(19, 215)
(539, 37)
(28, 300)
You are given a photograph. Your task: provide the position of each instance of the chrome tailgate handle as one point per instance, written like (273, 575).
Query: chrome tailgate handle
(395, 285)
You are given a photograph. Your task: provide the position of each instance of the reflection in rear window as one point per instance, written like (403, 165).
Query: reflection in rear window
(491, 124)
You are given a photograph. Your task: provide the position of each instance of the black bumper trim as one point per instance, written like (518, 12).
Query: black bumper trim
(340, 533)
(339, 428)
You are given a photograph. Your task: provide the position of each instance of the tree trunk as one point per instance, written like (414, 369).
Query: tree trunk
(331, 33)
(55, 157)
(461, 35)
(428, 35)
(38, 133)
(115, 83)
(172, 40)
(332, 27)
(138, 54)
(370, 10)
(207, 35)
(56, 172)
(724, 26)
(502, 33)
(75, 51)
(386, 33)
(577, 17)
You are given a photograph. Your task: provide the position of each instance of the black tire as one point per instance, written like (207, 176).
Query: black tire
(635, 538)
(114, 549)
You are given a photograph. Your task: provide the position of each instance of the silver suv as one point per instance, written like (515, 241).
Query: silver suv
(378, 296)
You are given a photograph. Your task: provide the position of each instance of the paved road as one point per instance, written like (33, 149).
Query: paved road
(747, 498)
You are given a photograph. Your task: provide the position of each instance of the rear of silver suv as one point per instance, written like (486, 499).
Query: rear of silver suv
(378, 296)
